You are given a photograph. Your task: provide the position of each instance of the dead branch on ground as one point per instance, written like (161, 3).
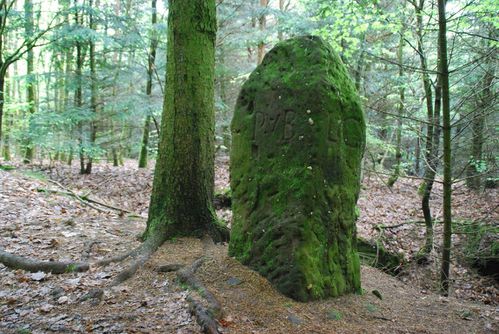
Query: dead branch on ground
(84, 199)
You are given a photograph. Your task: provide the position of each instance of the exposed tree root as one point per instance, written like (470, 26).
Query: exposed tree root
(140, 256)
(221, 201)
(206, 317)
(55, 267)
(218, 232)
(169, 268)
(186, 276)
(114, 259)
(203, 317)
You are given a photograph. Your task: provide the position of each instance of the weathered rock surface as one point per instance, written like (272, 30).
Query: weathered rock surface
(298, 137)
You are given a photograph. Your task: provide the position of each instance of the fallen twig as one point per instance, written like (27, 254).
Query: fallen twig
(85, 199)
(73, 194)
(383, 226)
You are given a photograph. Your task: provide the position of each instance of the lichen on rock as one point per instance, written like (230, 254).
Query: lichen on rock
(298, 139)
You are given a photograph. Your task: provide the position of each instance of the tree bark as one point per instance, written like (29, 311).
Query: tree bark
(2, 97)
(280, 33)
(30, 85)
(78, 95)
(417, 153)
(485, 100)
(431, 150)
(182, 195)
(150, 72)
(262, 23)
(6, 90)
(400, 111)
(447, 183)
(93, 90)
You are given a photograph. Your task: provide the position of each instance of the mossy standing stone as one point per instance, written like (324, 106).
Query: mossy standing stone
(298, 138)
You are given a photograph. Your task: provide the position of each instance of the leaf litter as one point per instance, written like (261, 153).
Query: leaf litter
(55, 227)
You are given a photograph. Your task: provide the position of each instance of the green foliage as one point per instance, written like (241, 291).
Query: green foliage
(333, 314)
(35, 175)
(482, 243)
(71, 268)
(7, 168)
(374, 254)
(23, 331)
(371, 307)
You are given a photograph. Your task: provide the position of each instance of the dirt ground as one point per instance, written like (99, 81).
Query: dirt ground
(47, 226)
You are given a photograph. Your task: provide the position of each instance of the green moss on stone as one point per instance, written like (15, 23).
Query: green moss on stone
(298, 137)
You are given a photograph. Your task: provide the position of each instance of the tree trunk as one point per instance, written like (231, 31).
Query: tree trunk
(475, 167)
(68, 57)
(78, 95)
(145, 143)
(400, 110)
(30, 84)
(181, 200)
(431, 169)
(447, 184)
(262, 23)
(116, 162)
(150, 71)
(7, 93)
(429, 153)
(93, 91)
(417, 153)
(224, 79)
(2, 97)
(280, 34)
(3, 72)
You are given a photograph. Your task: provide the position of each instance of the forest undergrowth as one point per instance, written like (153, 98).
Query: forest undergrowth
(40, 217)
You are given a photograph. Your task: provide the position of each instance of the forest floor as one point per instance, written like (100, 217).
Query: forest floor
(48, 225)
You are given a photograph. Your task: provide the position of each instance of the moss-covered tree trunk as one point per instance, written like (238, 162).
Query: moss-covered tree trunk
(181, 200)
(150, 71)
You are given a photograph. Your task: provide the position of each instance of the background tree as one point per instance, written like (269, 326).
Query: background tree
(30, 80)
(150, 72)
(444, 78)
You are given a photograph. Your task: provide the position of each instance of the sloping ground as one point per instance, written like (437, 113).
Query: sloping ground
(401, 207)
(51, 226)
